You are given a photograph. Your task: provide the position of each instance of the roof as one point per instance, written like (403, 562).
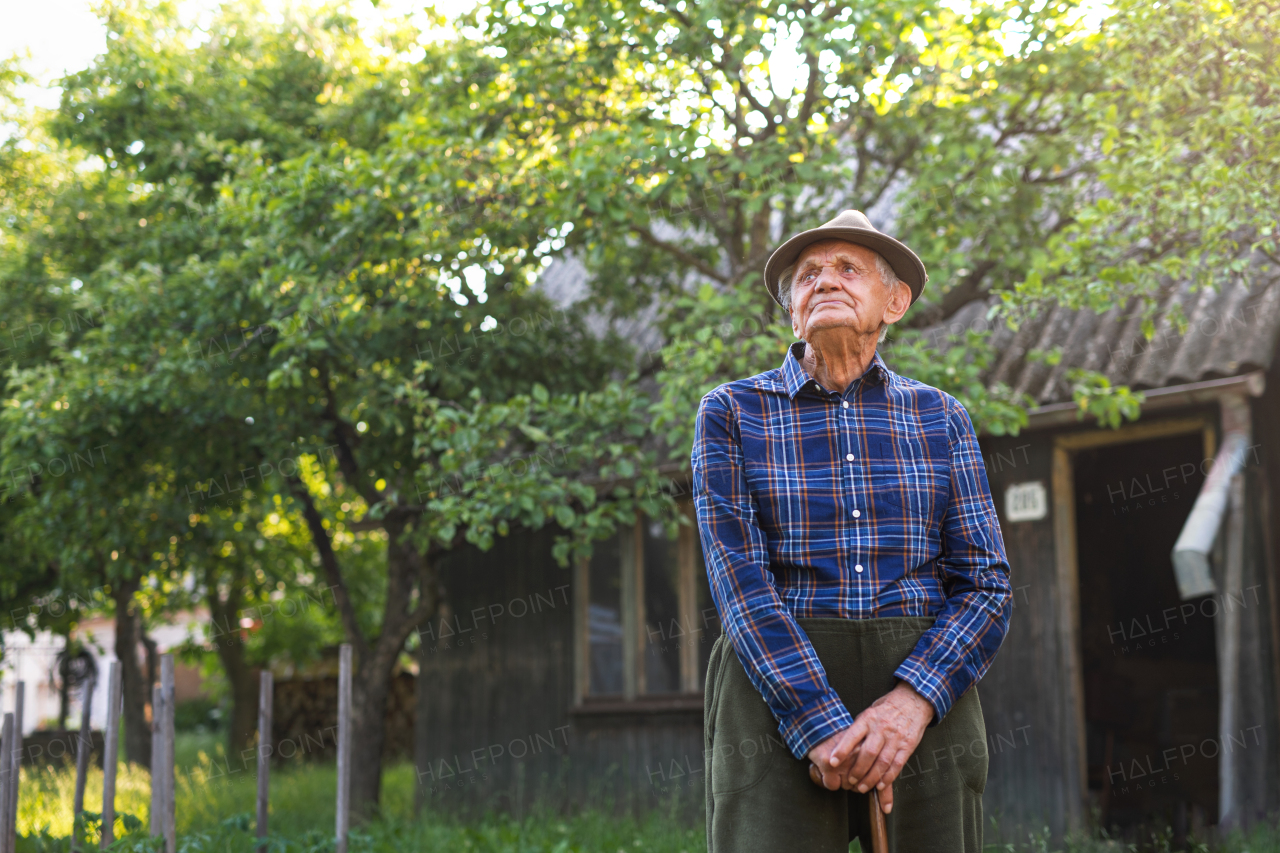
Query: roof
(1229, 331)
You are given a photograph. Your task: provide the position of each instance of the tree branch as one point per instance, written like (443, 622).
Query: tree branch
(810, 93)
(895, 166)
(344, 437)
(329, 562)
(679, 254)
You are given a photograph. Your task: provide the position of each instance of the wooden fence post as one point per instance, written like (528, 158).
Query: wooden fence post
(170, 825)
(264, 753)
(6, 776)
(157, 761)
(11, 805)
(110, 755)
(85, 737)
(344, 747)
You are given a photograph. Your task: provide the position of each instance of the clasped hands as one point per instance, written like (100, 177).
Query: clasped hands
(871, 752)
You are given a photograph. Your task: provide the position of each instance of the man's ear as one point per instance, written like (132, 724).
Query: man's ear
(899, 302)
(795, 323)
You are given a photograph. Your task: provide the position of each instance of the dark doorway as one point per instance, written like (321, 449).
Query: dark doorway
(1150, 659)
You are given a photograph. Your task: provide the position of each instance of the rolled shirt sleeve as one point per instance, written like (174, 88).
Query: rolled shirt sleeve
(959, 648)
(773, 649)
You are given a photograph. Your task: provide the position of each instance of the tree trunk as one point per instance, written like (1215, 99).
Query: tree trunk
(64, 704)
(137, 687)
(372, 682)
(244, 701)
(370, 687)
(244, 684)
(152, 653)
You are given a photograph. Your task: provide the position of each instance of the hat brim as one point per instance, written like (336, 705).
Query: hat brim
(906, 264)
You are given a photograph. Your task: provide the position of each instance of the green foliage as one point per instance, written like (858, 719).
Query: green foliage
(200, 714)
(1185, 135)
(279, 283)
(958, 369)
(672, 154)
(1095, 395)
(715, 336)
(662, 147)
(575, 459)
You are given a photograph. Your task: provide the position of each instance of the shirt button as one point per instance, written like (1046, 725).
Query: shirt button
(857, 514)
(849, 457)
(858, 568)
(845, 404)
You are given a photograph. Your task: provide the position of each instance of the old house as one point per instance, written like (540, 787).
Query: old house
(1133, 686)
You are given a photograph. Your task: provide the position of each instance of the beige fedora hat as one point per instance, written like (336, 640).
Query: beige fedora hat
(851, 225)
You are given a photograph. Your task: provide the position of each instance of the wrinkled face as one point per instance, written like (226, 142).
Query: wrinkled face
(837, 284)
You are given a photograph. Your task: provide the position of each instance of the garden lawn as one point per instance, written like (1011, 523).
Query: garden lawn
(215, 808)
(216, 804)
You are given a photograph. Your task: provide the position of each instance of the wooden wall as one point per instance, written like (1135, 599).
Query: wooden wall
(54, 749)
(1027, 692)
(1259, 768)
(496, 702)
(1024, 694)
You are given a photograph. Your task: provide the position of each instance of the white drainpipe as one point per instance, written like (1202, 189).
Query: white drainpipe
(1221, 495)
(1195, 542)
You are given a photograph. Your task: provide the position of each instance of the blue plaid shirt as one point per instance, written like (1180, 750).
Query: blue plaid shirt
(866, 504)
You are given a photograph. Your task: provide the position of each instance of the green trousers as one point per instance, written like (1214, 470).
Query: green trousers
(759, 796)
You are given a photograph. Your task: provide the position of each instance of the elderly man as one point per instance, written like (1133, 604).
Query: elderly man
(857, 567)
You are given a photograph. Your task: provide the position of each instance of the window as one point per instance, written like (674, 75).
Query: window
(604, 618)
(645, 621)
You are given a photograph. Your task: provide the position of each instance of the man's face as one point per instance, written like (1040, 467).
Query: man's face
(837, 285)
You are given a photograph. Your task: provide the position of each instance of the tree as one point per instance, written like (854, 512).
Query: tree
(77, 213)
(360, 278)
(273, 293)
(1185, 130)
(668, 147)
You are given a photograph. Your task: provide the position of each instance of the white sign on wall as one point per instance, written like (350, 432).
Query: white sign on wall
(1026, 501)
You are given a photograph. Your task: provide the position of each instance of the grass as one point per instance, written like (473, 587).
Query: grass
(216, 802)
(1262, 839)
(215, 805)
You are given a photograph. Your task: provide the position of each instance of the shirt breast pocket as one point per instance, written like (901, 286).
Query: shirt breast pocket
(915, 475)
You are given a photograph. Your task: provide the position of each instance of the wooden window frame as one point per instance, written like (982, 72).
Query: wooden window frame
(634, 634)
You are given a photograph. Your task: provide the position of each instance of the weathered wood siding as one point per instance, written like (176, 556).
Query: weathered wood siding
(496, 710)
(498, 674)
(1257, 770)
(1024, 696)
(1259, 765)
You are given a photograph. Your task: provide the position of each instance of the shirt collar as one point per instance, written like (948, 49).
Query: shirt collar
(795, 377)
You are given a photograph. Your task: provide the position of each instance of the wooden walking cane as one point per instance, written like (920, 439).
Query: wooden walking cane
(879, 834)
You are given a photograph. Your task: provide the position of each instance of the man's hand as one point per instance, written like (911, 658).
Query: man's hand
(871, 752)
(831, 773)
